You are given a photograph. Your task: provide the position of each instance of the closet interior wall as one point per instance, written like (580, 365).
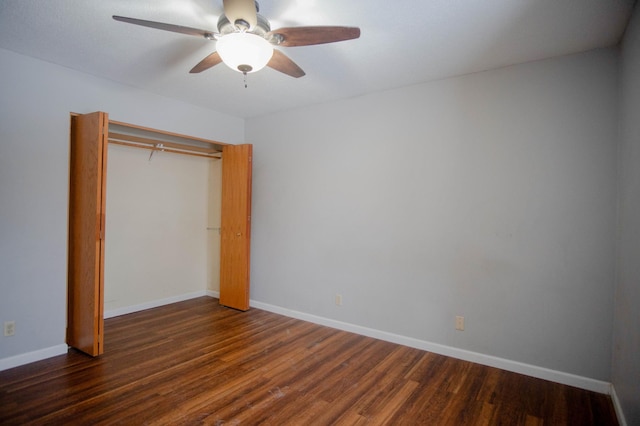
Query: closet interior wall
(162, 219)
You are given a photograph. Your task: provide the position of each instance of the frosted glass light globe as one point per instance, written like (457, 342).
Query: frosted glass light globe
(244, 52)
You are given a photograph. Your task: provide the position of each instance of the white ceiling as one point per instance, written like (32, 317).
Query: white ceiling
(403, 42)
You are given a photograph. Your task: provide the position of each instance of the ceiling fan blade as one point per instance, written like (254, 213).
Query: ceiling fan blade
(167, 27)
(242, 13)
(306, 36)
(281, 62)
(208, 62)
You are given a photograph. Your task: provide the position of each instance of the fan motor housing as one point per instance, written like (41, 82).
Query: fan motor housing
(226, 27)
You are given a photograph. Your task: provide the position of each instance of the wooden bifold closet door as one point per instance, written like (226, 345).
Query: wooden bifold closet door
(235, 228)
(87, 206)
(87, 190)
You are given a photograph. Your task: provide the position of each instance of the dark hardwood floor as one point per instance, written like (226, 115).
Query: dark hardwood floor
(196, 362)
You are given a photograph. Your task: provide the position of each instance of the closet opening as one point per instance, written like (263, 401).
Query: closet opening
(164, 207)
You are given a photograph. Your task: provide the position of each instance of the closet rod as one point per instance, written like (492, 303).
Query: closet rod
(126, 137)
(215, 155)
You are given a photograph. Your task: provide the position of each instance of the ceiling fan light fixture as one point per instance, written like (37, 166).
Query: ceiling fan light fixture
(244, 52)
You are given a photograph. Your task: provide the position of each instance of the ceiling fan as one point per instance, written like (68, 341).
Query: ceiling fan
(245, 41)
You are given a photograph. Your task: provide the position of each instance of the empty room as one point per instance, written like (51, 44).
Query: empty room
(301, 212)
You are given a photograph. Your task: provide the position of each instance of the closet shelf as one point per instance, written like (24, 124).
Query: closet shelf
(157, 140)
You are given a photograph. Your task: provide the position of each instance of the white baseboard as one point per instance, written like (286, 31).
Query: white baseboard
(154, 304)
(29, 357)
(491, 361)
(504, 364)
(616, 405)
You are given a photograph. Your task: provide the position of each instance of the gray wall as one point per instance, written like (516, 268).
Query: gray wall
(626, 348)
(491, 196)
(35, 101)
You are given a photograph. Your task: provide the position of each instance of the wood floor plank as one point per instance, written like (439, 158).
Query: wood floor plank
(196, 362)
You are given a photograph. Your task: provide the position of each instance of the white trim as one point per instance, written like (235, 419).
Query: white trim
(489, 360)
(616, 405)
(504, 364)
(29, 357)
(153, 304)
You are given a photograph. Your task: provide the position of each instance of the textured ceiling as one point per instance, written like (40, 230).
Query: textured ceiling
(403, 42)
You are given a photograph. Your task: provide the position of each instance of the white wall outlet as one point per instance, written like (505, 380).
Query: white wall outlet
(459, 323)
(9, 328)
(339, 299)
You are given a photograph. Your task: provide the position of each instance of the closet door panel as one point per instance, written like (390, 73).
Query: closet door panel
(235, 239)
(87, 191)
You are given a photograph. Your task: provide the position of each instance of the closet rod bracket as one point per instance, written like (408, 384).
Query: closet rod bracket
(156, 147)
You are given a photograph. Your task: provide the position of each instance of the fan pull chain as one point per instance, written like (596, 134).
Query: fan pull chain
(244, 69)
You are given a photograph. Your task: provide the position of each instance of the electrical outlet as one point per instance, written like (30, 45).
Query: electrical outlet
(459, 323)
(9, 328)
(339, 299)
